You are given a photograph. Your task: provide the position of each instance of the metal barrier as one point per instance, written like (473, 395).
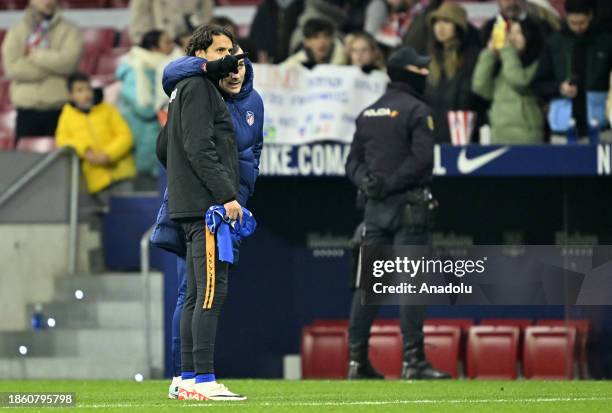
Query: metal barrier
(145, 272)
(40, 167)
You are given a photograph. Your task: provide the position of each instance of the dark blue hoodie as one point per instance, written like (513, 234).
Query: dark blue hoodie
(246, 109)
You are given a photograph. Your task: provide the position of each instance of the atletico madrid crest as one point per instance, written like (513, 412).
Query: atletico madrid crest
(250, 118)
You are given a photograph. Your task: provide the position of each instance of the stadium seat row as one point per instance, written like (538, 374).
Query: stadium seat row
(101, 4)
(551, 350)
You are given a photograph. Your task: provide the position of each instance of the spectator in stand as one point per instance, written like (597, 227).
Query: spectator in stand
(272, 27)
(100, 136)
(246, 44)
(519, 10)
(574, 74)
(167, 16)
(503, 77)
(450, 71)
(363, 52)
(419, 35)
(388, 20)
(39, 53)
(141, 96)
(328, 10)
(319, 47)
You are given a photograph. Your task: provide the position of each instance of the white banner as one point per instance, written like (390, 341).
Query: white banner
(305, 106)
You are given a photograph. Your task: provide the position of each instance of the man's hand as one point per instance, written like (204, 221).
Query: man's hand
(568, 90)
(221, 68)
(233, 210)
(373, 187)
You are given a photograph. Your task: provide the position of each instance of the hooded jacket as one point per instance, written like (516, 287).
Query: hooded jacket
(38, 79)
(246, 110)
(101, 129)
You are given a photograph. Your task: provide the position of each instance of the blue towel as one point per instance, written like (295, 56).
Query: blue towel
(228, 232)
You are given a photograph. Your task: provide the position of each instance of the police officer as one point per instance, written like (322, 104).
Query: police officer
(391, 161)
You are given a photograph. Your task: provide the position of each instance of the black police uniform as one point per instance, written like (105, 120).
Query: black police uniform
(391, 160)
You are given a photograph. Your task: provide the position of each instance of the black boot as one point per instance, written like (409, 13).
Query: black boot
(363, 370)
(416, 367)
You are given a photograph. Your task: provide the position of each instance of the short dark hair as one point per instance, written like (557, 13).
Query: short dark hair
(313, 27)
(579, 6)
(202, 38)
(76, 77)
(150, 40)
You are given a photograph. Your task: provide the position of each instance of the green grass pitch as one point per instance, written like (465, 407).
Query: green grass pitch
(335, 396)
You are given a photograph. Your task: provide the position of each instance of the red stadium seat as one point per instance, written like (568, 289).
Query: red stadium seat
(341, 323)
(386, 348)
(5, 98)
(124, 38)
(324, 352)
(521, 323)
(464, 324)
(40, 144)
(83, 4)
(7, 129)
(13, 4)
(492, 352)
(549, 352)
(101, 39)
(108, 62)
(442, 344)
(583, 328)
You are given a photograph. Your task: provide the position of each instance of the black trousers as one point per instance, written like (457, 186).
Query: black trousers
(32, 122)
(362, 316)
(203, 302)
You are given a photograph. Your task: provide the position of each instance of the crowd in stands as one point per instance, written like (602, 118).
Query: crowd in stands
(530, 74)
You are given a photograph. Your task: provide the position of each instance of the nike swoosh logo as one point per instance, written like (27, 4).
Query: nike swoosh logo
(467, 166)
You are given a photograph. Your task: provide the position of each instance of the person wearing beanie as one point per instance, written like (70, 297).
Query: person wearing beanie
(453, 60)
(391, 162)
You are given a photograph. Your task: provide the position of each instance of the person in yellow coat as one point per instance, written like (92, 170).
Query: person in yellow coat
(100, 136)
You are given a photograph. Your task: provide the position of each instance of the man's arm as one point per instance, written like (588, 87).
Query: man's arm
(258, 147)
(62, 61)
(420, 159)
(197, 126)
(161, 148)
(18, 66)
(356, 169)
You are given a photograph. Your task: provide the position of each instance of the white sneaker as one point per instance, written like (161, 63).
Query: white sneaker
(215, 391)
(173, 391)
(185, 390)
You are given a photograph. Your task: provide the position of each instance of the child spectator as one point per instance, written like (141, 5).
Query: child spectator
(100, 137)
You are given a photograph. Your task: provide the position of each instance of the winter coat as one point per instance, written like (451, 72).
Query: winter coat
(38, 79)
(102, 129)
(167, 15)
(515, 114)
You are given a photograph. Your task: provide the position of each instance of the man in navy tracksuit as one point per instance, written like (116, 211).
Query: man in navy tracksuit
(245, 107)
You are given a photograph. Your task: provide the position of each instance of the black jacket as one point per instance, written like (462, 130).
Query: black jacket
(394, 141)
(198, 148)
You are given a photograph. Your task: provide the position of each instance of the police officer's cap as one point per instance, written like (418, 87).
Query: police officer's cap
(407, 56)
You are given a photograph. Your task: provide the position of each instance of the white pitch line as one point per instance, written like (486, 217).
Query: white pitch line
(354, 403)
